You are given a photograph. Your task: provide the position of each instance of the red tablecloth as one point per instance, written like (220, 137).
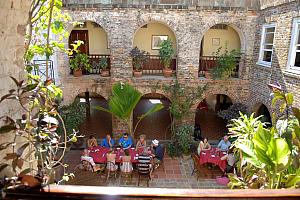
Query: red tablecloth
(99, 154)
(213, 156)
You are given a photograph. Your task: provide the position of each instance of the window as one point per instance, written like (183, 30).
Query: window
(266, 46)
(294, 54)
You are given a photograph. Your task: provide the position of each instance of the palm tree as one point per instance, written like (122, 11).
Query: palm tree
(122, 103)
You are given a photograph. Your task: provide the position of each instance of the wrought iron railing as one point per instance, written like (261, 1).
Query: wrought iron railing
(39, 68)
(94, 61)
(208, 62)
(154, 66)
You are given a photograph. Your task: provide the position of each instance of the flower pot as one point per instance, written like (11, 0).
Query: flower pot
(208, 75)
(167, 72)
(137, 73)
(77, 72)
(105, 72)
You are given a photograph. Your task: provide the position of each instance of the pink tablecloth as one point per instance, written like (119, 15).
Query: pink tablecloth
(99, 154)
(213, 156)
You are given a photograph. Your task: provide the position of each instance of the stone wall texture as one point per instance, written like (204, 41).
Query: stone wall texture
(282, 16)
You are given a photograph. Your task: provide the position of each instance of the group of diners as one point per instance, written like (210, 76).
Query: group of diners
(223, 146)
(146, 156)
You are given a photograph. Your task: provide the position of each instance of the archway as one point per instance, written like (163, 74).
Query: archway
(157, 125)
(212, 126)
(220, 37)
(98, 123)
(266, 116)
(95, 43)
(147, 38)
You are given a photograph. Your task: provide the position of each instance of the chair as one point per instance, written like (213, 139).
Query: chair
(126, 169)
(196, 167)
(144, 171)
(112, 170)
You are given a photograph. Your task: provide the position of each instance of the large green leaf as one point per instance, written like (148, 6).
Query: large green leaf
(289, 98)
(279, 152)
(153, 109)
(261, 141)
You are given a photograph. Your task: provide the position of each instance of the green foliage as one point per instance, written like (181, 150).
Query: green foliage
(139, 57)
(233, 111)
(226, 63)
(103, 63)
(270, 156)
(73, 115)
(166, 52)
(80, 62)
(122, 102)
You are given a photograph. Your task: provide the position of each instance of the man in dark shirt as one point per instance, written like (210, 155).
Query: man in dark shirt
(158, 152)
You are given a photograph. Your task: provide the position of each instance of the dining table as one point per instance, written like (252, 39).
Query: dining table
(213, 156)
(99, 154)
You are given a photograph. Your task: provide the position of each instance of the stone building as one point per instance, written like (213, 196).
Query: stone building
(265, 31)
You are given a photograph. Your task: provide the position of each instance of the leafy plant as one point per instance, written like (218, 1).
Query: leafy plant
(166, 52)
(139, 57)
(269, 156)
(103, 63)
(226, 63)
(73, 115)
(233, 111)
(122, 102)
(81, 61)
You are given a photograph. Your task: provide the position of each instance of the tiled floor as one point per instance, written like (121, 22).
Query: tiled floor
(176, 174)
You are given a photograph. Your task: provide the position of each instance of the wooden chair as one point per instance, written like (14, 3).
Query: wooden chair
(196, 166)
(111, 166)
(126, 169)
(144, 172)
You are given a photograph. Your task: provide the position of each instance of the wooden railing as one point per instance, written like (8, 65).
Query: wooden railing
(155, 67)
(94, 61)
(208, 62)
(95, 192)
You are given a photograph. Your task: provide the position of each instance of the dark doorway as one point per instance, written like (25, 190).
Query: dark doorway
(212, 126)
(263, 110)
(98, 123)
(80, 35)
(157, 125)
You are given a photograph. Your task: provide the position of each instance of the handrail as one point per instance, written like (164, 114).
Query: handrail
(159, 193)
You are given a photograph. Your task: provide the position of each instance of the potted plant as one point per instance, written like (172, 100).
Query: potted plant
(103, 65)
(139, 57)
(80, 62)
(226, 63)
(166, 53)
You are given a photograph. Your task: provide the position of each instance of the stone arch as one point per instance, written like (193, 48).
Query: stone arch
(262, 109)
(162, 119)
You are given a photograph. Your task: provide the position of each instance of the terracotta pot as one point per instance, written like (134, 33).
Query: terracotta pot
(167, 72)
(137, 73)
(77, 72)
(105, 72)
(208, 75)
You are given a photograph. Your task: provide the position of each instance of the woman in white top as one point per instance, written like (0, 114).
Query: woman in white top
(126, 165)
(203, 146)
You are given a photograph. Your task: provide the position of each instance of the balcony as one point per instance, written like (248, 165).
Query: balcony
(208, 62)
(164, 4)
(155, 67)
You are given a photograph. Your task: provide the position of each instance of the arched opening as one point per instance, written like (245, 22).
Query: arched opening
(157, 125)
(148, 38)
(211, 125)
(266, 116)
(95, 43)
(220, 37)
(98, 123)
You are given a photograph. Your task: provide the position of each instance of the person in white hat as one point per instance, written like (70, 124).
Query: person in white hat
(158, 152)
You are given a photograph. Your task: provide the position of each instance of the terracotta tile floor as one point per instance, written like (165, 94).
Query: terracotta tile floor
(176, 174)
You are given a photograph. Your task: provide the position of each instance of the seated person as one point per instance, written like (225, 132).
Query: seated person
(125, 142)
(224, 144)
(141, 142)
(85, 156)
(111, 161)
(92, 142)
(230, 161)
(203, 146)
(158, 152)
(145, 163)
(108, 142)
(126, 165)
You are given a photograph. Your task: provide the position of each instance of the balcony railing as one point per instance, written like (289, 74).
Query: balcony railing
(208, 62)
(94, 61)
(155, 67)
(163, 4)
